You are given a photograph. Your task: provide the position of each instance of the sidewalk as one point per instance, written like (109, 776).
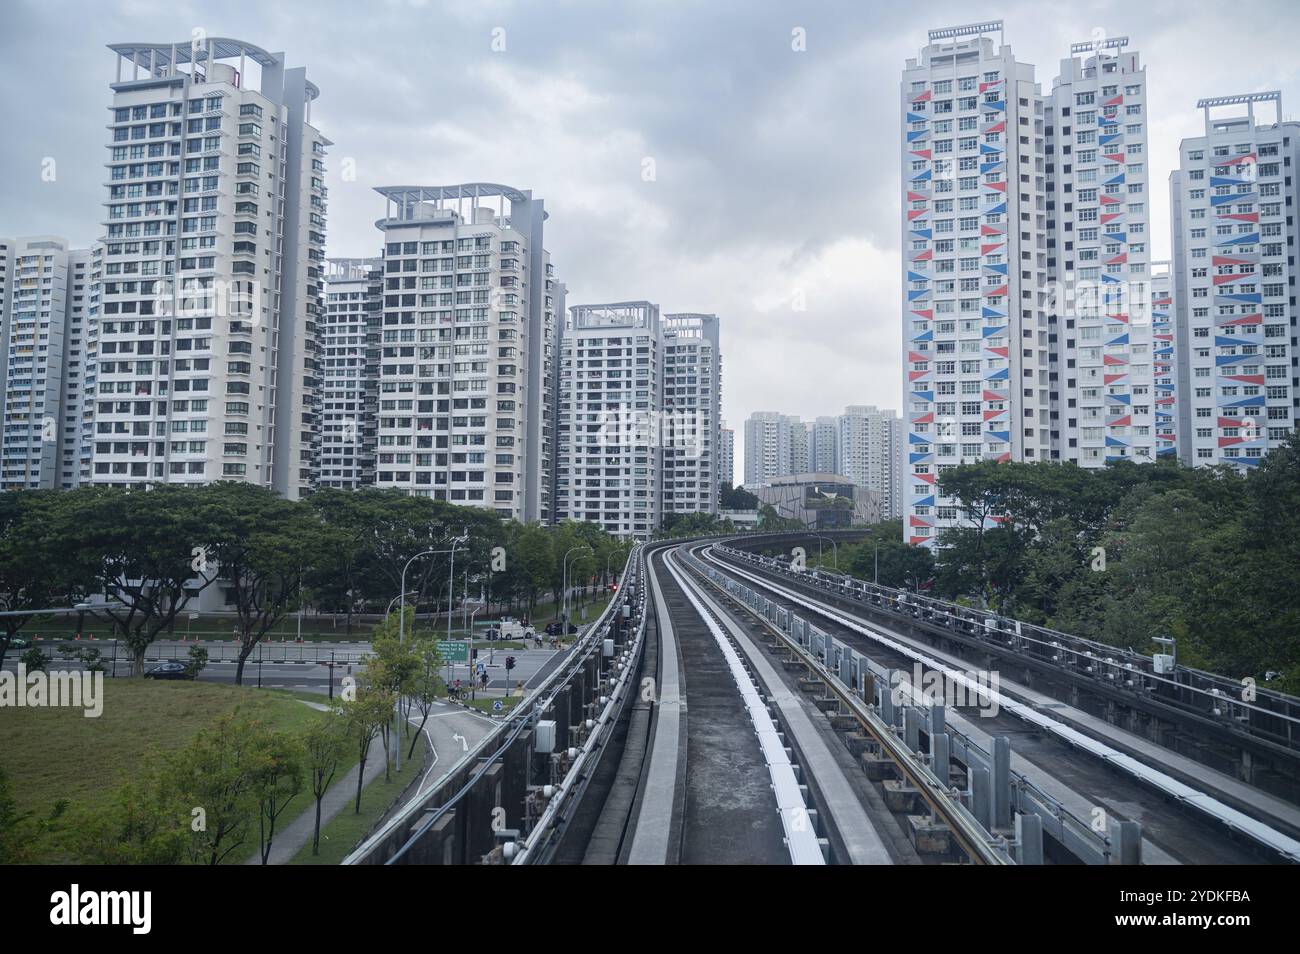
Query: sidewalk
(340, 796)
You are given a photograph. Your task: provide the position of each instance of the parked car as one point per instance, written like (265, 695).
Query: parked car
(169, 670)
(19, 642)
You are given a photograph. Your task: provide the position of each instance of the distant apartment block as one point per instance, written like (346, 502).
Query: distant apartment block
(775, 445)
(823, 445)
(727, 456)
(47, 301)
(869, 451)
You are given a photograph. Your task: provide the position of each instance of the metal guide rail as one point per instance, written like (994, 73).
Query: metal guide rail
(970, 815)
(401, 833)
(1270, 718)
(1263, 835)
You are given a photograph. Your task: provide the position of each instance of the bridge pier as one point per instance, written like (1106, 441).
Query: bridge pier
(439, 844)
(559, 711)
(484, 800)
(514, 780)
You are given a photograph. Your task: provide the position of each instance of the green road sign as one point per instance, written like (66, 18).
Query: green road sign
(454, 650)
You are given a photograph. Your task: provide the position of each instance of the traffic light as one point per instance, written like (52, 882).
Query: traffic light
(510, 663)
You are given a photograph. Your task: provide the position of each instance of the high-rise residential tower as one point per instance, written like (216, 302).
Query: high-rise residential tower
(974, 238)
(869, 442)
(212, 280)
(350, 332)
(1103, 392)
(775, 445)
(467, 347)
(823, 445)
(1164, 359)
(46, 292)
(609, 453)
(1233, 200)
(691, 413)
(727, 456)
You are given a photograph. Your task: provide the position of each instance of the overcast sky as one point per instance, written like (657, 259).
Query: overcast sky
(776, 171)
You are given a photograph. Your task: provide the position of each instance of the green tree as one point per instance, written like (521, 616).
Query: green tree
(219, 775)
(143, 549)
(426, 685)
(35, 659)
(342, 573)
(325, 745)
(365, 717)
(391, 669)
(146, 823)
(902, 566)
(277, 781)
(31, 569)
(737, 498)
(261, 545)
(196, 662)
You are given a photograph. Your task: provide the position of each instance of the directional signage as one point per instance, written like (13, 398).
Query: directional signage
(454, 650)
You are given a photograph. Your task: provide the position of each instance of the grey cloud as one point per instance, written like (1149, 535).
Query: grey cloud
(771, 163)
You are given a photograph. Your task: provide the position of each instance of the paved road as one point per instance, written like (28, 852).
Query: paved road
(316, 677)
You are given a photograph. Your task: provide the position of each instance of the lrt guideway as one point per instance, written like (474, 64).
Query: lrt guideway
(1170, 835)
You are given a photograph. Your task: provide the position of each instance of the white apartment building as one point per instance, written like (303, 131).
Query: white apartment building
(1164, 359)
(975, 234)
(39, 280)
(1234, 198)
(775, 445)
(869, 450)
(76, 415)
(1103, 395)
(467, 347)
(609, 453)
(798, 446)
(691, 412)
(212, 270)
(823, 445)
(48, 309)
(1193, 358)
(350, 331)
(727, 456)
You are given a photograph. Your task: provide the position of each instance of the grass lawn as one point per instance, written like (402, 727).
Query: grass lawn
(485, 703)
(53, 753)
(594, 609)
(340, 834)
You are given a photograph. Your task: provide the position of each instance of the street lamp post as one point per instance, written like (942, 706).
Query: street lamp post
(835, 550)
(473, 676)
(401, 638)
(564, 586)
(451, 581)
